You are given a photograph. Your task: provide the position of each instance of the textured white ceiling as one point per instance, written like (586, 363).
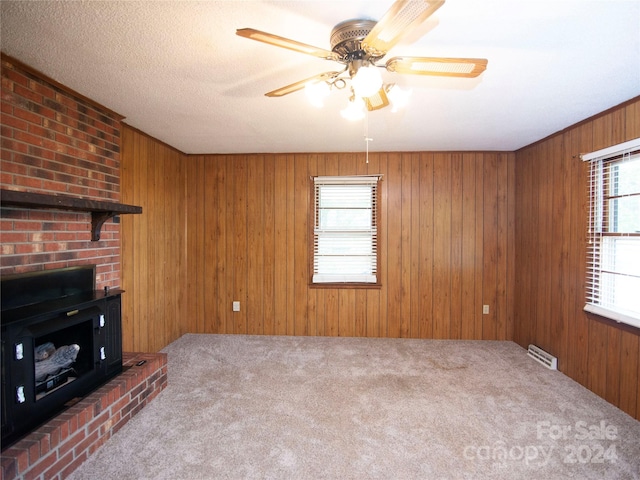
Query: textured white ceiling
(177, 71)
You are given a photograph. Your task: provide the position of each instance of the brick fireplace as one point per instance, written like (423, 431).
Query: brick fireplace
(57, 142)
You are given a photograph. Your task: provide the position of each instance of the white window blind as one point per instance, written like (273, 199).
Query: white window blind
(613, 250)
(345, 236)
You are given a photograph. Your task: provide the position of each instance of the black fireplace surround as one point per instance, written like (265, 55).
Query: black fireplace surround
(47, 310)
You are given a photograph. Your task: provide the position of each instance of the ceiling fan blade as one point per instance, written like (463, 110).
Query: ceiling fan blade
(294, 87)
(444, 67)
(400, 20)
(286, 43)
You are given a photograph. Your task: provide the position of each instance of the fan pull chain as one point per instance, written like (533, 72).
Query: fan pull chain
(367, 139)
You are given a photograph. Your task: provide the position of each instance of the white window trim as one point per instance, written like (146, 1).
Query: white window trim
(613, 151)
(620, 316)
(319, 279)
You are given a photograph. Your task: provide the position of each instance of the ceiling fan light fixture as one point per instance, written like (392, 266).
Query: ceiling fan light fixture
(354, 110)
(398, 97)
(366, 81)
(359, 45)
(316, 93)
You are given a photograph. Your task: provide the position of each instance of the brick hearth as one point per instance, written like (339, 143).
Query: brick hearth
(58, 447)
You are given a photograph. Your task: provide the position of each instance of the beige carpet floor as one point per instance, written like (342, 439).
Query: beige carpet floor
(260, 407)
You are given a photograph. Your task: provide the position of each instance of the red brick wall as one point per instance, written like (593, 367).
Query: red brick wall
(56, 141)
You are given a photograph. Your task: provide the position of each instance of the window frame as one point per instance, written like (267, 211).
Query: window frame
(600, 233)
(344, 179)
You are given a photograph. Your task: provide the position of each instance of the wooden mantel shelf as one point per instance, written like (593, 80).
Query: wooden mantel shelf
(100, 211)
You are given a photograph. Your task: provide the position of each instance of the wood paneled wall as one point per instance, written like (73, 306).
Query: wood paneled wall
(219, 228)
(446, 246)
(154, 244)
(550, 230)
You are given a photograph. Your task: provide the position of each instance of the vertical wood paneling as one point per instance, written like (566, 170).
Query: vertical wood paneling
(141, 227)
(384, 250)
(227, 281)
(525, 240)
(502, 248)
(240, 243)
(551, 221)
(469, 248)
(479, 241)
(127, 184)
(393, 240)
(195, 278)
(629, 356)
(255, 244)
(490, 246)
(290, 236)
(243, 221)
(151, 277)
(457, 204)
(269, 248)
(630, 386)
(545, 202)
(512, 276)
(300, 246)
(155, 265)
(215, 249)
(183, 304)
(281, 245)
(563, 289)
(442, 245)
(414, 292)
(426, 229)
(406, 197)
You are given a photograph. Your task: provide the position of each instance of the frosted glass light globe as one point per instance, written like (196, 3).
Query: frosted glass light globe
(354, 110)
(367, 81)
(316, 93)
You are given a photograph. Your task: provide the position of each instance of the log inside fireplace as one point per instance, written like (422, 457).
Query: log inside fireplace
(58, 313)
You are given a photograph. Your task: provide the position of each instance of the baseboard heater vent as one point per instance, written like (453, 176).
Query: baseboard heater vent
(543, 357)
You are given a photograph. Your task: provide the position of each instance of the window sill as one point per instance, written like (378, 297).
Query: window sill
(619, 318)
(369, 286)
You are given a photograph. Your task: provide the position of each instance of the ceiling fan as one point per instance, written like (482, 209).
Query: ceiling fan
(360, 44)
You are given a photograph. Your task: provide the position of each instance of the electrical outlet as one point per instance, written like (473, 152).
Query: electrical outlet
(236, 306)
(485, 309)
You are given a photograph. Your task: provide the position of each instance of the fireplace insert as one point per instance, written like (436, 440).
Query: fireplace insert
(61, 339)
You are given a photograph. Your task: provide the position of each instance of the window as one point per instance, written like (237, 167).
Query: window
(345, 230)
(613, 263)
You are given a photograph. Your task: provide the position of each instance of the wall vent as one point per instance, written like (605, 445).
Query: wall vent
(543, 357)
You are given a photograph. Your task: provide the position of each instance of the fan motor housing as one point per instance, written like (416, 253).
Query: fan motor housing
(346, 38)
